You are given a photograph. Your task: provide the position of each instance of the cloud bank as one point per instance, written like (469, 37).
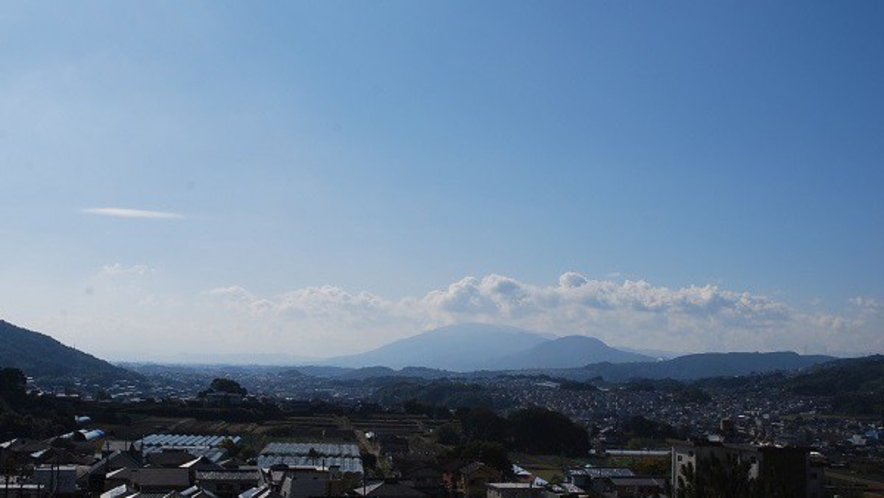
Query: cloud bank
(626, 313)
(126, 309)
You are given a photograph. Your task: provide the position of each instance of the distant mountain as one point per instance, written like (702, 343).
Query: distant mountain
(683, 368)
(568, 352)
(456, 347)
(657, 354)
(426, 373)
(470, 347)
(44, 358)
(368, 373)
(695, 366)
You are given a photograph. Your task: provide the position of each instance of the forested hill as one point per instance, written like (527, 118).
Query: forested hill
(855, 384)
(44, 358)
(695, 366)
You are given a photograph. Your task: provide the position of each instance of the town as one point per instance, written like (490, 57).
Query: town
(274, 431)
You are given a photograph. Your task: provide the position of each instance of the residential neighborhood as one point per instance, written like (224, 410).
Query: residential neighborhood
(643, 439)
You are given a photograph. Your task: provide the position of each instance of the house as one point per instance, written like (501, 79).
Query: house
(109, 446)
(201, 463)
(300, 482)
(150, 480)
(227, 483)
(469, 480)
(56, 479)
(170, 458)
(194, 491)
(424, 478)
(93, 479)
(262, 491)
(513, 490)
(389, 488)
(17, 487)
(629, 486)
(564, 490)
(587, 477)
(788, 468)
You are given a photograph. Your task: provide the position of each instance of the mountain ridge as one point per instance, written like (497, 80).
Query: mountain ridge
(571, 351)
(45, 358)
(696, 366)
(473, 346)
(454, 347)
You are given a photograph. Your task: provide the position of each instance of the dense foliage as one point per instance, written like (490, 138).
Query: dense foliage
(640, 427)
(530, 430)
(449, 394)
(493, 454)
(229, 386)
(12, 386)
(541, 431)
(25, 416)
(730, 478)
(856, 385)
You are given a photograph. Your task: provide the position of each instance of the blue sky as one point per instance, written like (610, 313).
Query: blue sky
(330, 176)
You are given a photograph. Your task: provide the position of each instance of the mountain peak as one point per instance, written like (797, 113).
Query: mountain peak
(478, 346)
(569, 352)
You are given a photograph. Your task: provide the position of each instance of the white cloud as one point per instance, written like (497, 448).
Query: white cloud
(124, 310)
(629, 313)
(867, 303)
(571, 280)
(132, 213)
(243, 300)
(117, 269)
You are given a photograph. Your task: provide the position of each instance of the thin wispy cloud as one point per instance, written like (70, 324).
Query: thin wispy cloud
(118, 269)
(132, 213)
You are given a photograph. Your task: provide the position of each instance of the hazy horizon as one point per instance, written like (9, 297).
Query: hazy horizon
(318, 179)
(194, 358)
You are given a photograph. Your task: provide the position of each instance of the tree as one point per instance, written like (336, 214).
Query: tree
(223, 385)
(728, 478)
(233, 449)
(493, 454)
(483, 423)
(638, 426)
(12, 386)
(542, 431)
(448, 435)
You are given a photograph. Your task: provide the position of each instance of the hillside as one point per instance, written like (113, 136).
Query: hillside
(471, 347)
(695, 366)
(855, 384)
(568, 352)
(44, 358)
(457, 347)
